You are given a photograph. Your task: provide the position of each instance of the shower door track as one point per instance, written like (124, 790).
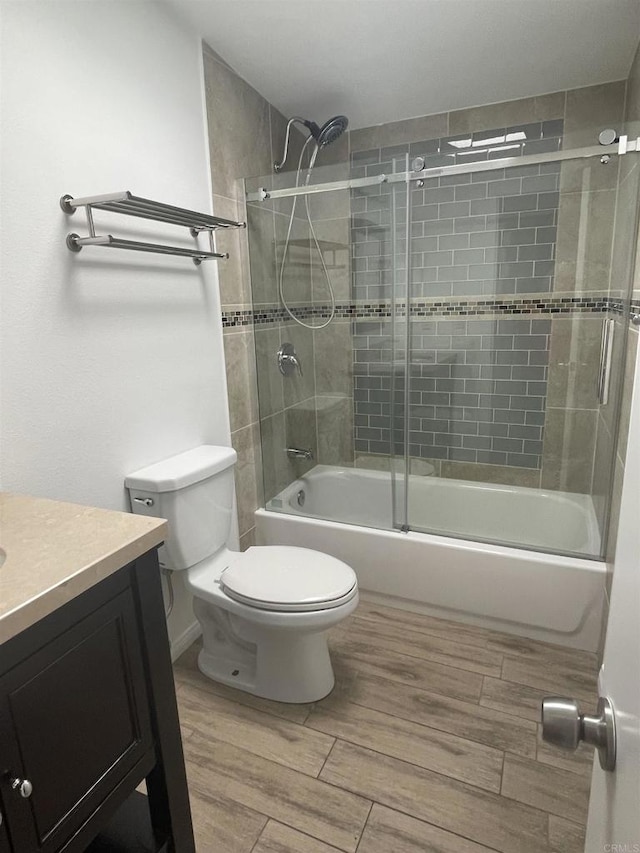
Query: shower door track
(603, 151)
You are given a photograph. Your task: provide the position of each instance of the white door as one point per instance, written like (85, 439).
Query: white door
(614, 807)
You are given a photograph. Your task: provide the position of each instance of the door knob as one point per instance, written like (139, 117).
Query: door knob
(563, 725)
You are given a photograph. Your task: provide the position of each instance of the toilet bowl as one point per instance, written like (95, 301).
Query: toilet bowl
(264, 613)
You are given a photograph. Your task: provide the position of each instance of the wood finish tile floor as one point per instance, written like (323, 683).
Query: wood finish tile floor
(430, 741)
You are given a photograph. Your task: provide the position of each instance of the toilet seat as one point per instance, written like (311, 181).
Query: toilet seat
(286, 578)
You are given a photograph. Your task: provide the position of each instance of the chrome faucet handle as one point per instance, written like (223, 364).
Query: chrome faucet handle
(288, 361)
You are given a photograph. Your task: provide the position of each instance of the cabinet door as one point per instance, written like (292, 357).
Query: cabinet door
(73, 722)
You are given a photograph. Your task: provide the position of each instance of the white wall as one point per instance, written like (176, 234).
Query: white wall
(110, 360)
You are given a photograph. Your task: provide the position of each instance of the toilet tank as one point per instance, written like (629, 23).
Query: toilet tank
(194, 492)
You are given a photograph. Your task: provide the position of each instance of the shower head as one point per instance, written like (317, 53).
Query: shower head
(330, 130)
(325, 135)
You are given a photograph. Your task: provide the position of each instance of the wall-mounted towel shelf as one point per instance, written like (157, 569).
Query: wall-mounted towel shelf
(144, 208)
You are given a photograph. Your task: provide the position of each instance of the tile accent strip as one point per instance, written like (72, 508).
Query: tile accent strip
(593, 303)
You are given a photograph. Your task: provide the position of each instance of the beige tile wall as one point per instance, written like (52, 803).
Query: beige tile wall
(314, 411)
(246, 135)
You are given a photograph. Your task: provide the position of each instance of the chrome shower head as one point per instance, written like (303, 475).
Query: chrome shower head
(325, 135)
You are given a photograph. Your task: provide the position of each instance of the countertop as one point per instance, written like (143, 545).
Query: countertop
(56, 551)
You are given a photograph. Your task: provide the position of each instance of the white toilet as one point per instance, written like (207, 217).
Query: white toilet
(264, 613)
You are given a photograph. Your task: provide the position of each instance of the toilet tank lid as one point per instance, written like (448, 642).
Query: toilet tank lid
(182, 470)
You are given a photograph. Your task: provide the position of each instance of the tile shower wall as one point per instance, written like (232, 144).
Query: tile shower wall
(478, 387)
(246, 135)
(477, 390)
(579, 276)
(472, 234)
(583, 113)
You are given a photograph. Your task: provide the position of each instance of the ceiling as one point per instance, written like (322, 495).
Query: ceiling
(382, 60)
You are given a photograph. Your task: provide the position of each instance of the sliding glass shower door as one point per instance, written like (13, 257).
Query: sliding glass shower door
(512, 339)
(467, 381)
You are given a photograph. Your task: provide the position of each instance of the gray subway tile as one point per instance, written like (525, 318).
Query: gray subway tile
(517, 203)
(508, 416)
(469, 223)
(469, 256)
(516, 270)
(453, 209)
(540, 184)
(555, 127)
(484, 238)
(503, 221)
(511, 386)
(548, 200)
(538, 252)
(492, 457)
(519, 237)
(484, 206)
(535, 218)
(542, 146)
(521, 460)
(530, 433)
(453, 241)
(477, 442)
(507, 187)
(471, 192)
(509, 445)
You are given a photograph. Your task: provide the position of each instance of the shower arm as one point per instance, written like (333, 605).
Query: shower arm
(278, 166)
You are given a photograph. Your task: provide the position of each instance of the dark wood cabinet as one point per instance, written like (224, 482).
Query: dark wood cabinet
(87, 711)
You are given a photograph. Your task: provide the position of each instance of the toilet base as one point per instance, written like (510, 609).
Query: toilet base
(282, 665)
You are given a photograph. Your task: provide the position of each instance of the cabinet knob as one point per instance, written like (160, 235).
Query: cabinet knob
(23, 786)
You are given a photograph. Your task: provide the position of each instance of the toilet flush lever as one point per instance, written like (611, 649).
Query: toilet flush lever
(145, 501)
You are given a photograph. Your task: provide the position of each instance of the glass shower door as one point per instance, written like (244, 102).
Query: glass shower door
(514, 295)
(400, 350)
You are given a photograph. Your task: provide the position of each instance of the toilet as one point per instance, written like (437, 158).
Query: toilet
(264, 613)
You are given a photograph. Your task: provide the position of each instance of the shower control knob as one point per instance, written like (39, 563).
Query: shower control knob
(563, 725)
(23, 786)
(288, 360)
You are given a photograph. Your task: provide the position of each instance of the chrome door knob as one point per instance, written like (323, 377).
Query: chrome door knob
(563, 725)
(23, 786)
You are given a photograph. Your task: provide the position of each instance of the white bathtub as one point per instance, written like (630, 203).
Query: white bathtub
(529, 592)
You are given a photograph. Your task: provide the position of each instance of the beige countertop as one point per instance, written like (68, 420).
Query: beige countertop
(55, 551)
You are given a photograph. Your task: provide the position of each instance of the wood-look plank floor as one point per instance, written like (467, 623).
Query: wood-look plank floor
(430, 741)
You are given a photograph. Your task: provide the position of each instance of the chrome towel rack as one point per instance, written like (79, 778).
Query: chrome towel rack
(130, 205)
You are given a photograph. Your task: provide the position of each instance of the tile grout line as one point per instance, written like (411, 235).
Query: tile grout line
(418, 766)
(364, 826)
(326, 758)
(517, 720)
(439, 826)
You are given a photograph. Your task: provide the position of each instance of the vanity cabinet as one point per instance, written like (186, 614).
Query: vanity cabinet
(87, 712)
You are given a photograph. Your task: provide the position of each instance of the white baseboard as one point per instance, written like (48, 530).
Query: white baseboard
(182, 643)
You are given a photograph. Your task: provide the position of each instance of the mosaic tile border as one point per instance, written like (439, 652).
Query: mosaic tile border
(448, 308)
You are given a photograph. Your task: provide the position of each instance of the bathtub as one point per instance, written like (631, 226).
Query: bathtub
(347, 512)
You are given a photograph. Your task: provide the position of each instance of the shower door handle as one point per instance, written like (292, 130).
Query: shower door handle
(563, 725)
(606, 354)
